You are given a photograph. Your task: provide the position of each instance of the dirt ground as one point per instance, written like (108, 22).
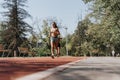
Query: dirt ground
(12, 68)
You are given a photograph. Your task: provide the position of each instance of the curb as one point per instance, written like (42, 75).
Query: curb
(43, 74)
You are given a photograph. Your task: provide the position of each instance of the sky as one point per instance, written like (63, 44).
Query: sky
(67, 12)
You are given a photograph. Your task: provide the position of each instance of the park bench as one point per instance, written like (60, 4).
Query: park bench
(25, 51)
(2, 50)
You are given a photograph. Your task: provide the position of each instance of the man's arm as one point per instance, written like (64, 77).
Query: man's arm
(58, 32)
(50, 33)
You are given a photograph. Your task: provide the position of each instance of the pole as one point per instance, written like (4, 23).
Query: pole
(66, 42)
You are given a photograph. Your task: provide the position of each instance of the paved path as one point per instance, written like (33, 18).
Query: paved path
(93, 68)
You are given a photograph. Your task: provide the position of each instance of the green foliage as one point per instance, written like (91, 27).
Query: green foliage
(80, 37)
(15, 29)
(104, 33)
(99, 37)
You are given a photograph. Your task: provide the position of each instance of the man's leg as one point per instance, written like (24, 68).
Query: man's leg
(58, 49)
(52, 49)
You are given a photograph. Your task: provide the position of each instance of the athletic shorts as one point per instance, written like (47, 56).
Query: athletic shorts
(54, 39)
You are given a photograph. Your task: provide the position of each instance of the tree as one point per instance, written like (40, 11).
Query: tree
(16, 28)
(106, 28)
(46, 30)
(79, 37)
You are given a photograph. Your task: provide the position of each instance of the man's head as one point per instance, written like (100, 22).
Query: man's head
(54, 25)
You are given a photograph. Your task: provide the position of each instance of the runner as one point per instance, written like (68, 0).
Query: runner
(54, 32)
